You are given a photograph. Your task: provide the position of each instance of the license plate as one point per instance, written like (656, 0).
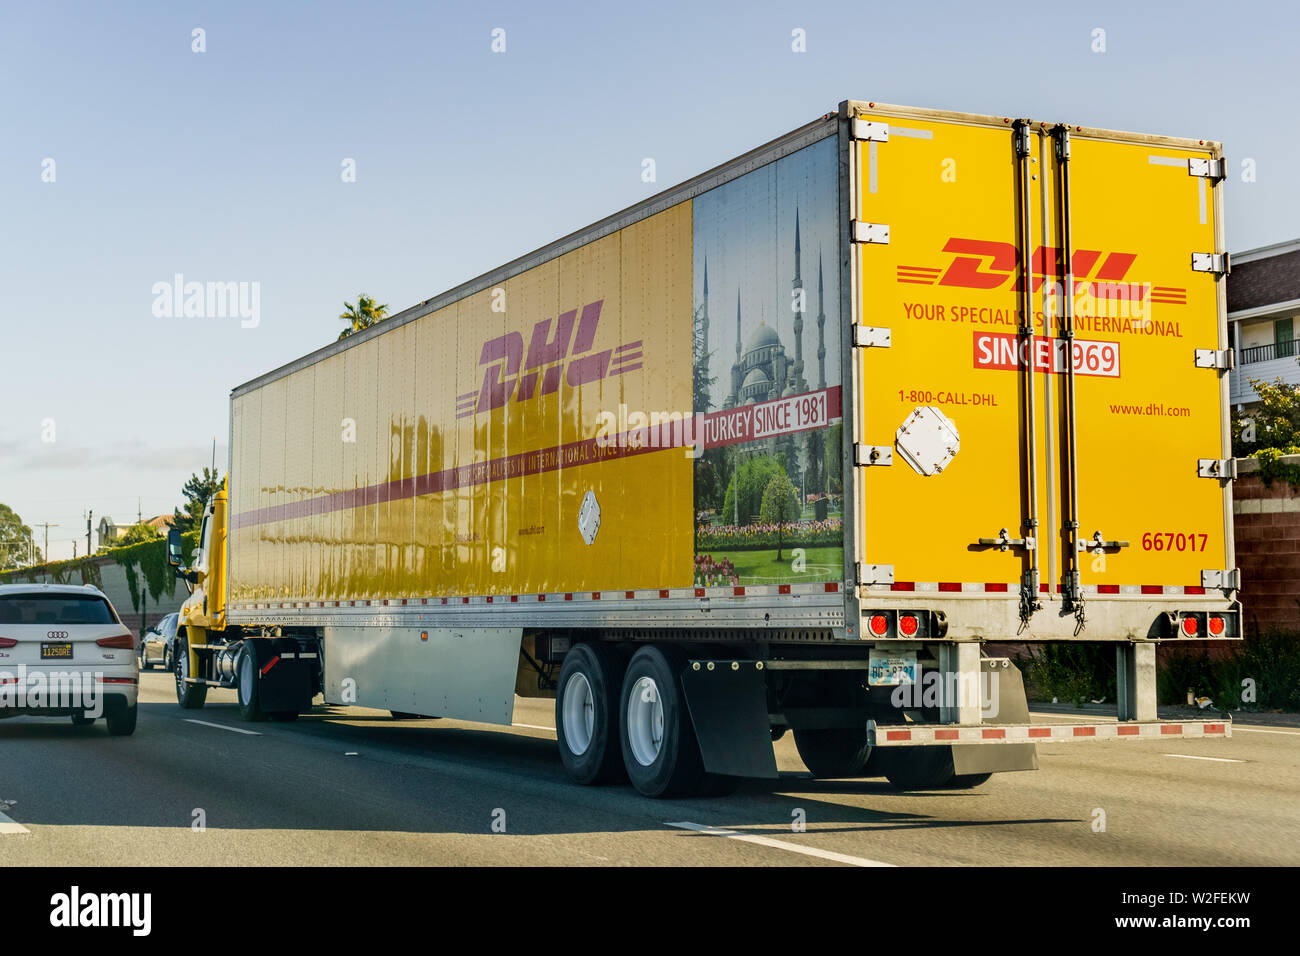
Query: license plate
(889, 669)
(61, 651)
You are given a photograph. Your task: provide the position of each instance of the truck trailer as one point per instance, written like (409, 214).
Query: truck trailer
(786, 447)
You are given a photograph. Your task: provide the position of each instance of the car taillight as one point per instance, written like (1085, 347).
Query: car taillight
(1189, 626)
(8, 642)
(907, 624)
(124, 641)
(1216, 626)
(878, 625)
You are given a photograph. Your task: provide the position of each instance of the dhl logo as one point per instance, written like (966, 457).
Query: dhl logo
(552, 353)
(987, 264)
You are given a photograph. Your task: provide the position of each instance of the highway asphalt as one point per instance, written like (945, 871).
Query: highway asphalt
(347, 786)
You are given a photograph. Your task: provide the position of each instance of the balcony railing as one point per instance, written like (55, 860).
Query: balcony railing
(1266, 353)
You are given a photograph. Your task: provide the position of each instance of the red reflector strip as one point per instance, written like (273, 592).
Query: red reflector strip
(1214, 728)
(946, 735)
(1040, 731)
(1153, 589)
(541, 597)
(996, 587)
(903, 586)
(1084, 731)
(1129, 731)
(117, 680)
(628, 595)
(738, 592)
(444, 600)
(783, 589)
(569, 597)
(993, 733)
(1108, 589)
(699, 592)
(1193, 589)
(514, 599)
(663, 593)
(950, 586)
(898, 735)
(832, 587)
(271, 663)
(1170, 729)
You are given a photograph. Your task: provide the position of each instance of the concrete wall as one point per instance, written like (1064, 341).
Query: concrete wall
(1267, 522)
(114, 584)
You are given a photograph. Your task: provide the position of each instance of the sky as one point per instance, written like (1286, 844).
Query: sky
(128, 158)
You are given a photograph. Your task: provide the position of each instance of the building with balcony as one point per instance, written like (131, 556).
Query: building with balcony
(1264, 317)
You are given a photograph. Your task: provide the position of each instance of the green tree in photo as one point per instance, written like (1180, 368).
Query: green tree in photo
(752, 477)
(780, 506)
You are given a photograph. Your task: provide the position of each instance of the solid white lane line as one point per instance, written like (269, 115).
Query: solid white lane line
(1215, 759)
(8, 825)
(235, 730)
(534, 727)
(778, 844)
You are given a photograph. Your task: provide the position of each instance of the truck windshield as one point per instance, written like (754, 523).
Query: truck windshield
(55, 609)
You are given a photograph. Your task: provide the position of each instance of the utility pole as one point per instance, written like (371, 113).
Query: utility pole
(90, 516)
(45, 555)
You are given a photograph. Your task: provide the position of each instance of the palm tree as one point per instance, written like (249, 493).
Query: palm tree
(362, 315)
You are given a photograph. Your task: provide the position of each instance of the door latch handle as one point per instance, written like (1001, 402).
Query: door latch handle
(1099, 545)
(1003, 542)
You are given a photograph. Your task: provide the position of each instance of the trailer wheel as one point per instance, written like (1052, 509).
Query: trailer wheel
(586, 714)
(660, 751)
(834, 752)
(927, 768)
(189, 696)
(246, 673)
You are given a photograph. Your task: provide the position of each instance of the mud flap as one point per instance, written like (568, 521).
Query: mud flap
(286, 680)
(1012, 708)
(729, 710)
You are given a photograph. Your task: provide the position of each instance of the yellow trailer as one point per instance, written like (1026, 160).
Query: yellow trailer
(783, 447)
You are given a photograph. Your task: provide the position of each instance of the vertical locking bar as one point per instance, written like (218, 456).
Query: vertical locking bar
(1074, 581)
(1029, 582)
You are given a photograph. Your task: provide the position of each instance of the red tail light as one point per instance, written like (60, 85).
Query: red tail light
(8, 642)
(1216, 626)
(124, 641)
(1189, 626)
(879, 625)
(907, 624)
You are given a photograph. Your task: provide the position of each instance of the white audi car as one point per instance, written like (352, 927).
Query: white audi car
(65, 652)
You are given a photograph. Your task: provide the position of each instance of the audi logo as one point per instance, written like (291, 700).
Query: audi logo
(56, 633)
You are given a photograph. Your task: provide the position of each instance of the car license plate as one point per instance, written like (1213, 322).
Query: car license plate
(888, 669)
(60, 651)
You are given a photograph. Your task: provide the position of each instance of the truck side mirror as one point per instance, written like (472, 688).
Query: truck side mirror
(174, 547)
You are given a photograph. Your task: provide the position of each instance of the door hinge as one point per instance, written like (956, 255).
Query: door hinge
(873, 232)
(1216, 358)
(867, 336)
(1216, 262)
(1209, 168)
(875, 573)
(1229, 580)
(870, 131)
(873, 454)
(1225, 468)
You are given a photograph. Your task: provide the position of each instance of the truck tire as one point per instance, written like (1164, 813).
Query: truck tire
(833, 752)
(660, 751)
(121, 720)
(926, 768)
(189, 696)
(586, 714)
(247, 666)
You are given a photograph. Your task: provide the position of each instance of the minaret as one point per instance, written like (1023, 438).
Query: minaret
(797, 371)
(734, 398)
(702, 328)
(821, 326)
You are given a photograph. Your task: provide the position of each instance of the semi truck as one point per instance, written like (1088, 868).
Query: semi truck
(792, 446)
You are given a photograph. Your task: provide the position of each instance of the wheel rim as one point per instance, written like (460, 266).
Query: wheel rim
(245, 679)
(182, 665)
(645, 721)
(579, 714)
